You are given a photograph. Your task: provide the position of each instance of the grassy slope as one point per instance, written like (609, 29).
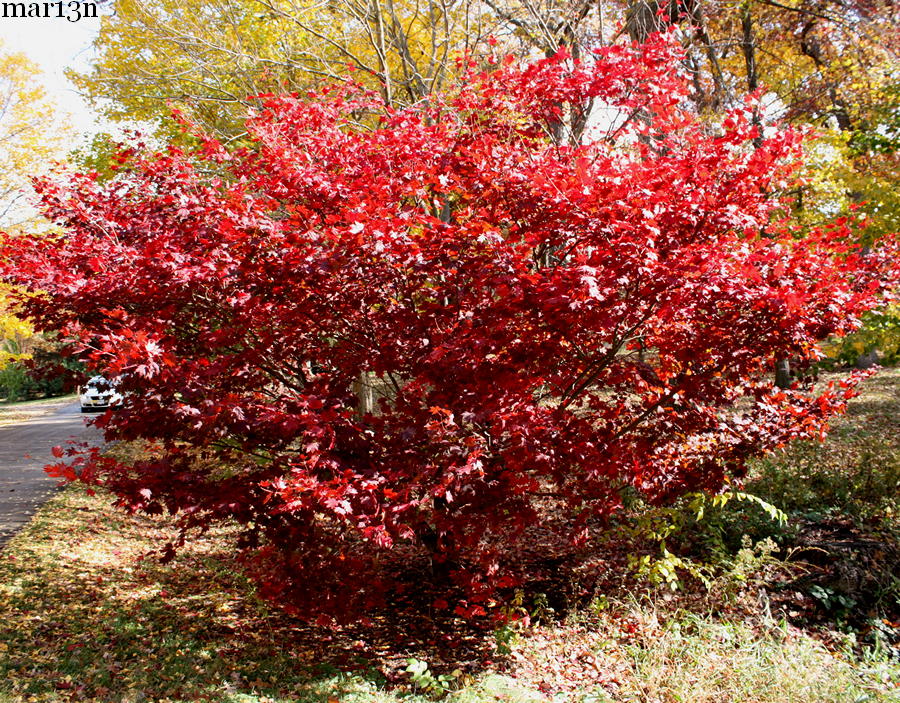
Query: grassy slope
(23, 410)
(82, 617)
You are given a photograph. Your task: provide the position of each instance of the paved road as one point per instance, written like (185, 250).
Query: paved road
(25, 448)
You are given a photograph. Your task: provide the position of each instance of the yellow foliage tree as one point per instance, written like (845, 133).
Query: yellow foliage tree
(208, 58)
(832, 66)
(32, 136)
(15, 333)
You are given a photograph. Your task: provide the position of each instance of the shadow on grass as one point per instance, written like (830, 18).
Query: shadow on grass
(84, 617)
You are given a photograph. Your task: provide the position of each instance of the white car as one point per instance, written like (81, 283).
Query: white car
(99, 394)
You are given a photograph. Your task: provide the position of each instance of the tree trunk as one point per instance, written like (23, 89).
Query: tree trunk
(362, 386)
(783, 373)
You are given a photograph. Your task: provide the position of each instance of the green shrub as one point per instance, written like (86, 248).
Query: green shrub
(880, 331)
(857, 479)
(14, 381)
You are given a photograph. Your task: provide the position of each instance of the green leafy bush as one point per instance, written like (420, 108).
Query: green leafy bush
(880, 332)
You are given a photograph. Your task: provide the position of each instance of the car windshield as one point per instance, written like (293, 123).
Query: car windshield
(100, 384)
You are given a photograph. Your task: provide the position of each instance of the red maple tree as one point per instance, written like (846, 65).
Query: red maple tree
(538, 320)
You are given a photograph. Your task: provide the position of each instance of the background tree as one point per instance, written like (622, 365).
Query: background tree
(33, 135)
(209, 58)
(832, 66)
(14, 332)
(407, 49)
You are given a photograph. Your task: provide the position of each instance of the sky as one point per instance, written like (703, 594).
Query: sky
(56, 44)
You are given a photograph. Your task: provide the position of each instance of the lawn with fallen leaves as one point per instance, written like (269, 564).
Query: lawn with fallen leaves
(25, 410)
(88, 613)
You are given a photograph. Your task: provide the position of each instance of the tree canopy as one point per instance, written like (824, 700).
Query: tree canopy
(209, 59)
(544, 325)
(829, 65)
(33, 134)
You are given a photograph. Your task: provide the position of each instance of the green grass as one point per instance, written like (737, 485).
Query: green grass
(701, 660)
(84, 617)
(5, 404)
(22, 410)
(855, 474)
